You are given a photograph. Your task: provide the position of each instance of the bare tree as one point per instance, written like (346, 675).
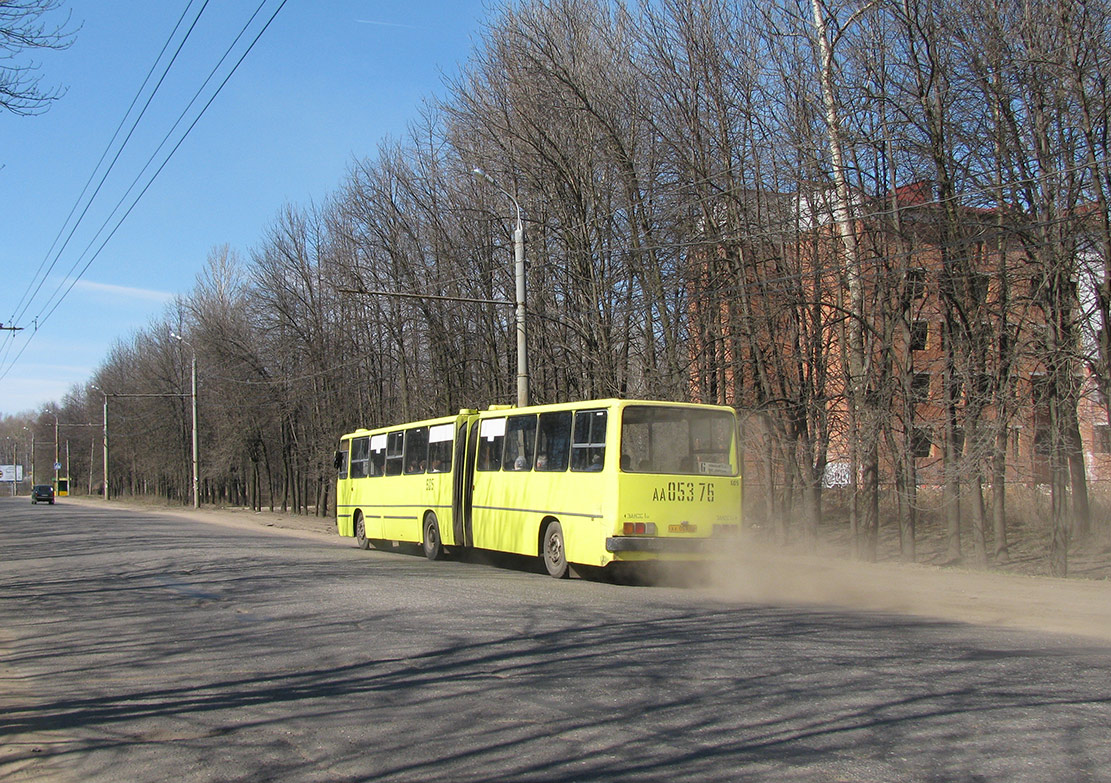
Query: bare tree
(25, 25)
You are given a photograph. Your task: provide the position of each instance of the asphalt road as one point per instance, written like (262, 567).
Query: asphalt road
(137, 647)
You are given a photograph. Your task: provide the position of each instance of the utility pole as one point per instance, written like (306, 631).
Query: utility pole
(519, 275)
(196, 477)
(105, 430)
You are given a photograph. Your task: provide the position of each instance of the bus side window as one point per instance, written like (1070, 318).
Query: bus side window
(395, 442)
(377, 455)
(588, 446)
(341, 459)
(553, 441)
(491, 434)
(520, 435)
(359, 457)
(416, 450)
(439, 448)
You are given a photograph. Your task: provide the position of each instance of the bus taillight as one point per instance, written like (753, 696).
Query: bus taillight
(640, 528)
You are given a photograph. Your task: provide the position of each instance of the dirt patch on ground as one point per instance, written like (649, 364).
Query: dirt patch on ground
(763, 573)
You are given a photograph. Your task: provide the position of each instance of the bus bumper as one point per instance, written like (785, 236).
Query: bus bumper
(661, 545)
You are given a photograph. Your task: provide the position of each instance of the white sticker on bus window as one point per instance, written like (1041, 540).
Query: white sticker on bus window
(377, 442)
(492, 428)
(439, 433)
(716, 468)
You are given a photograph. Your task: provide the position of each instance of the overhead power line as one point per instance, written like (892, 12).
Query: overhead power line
(46, 313)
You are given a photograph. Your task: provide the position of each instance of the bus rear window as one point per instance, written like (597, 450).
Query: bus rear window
(666, 439)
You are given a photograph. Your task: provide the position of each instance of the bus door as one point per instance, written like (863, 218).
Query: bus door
(343, 489)
(460, 494)
(463, 492)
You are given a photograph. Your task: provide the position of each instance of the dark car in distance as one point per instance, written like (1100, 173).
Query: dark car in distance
(42, 493)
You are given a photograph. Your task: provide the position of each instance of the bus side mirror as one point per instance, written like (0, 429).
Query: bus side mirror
(337, 461)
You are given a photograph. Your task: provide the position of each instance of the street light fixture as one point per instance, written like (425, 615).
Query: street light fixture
(519, 301)
(196, 477)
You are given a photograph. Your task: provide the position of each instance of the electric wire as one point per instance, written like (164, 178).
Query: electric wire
(46, 314)
(146, 167)
(103, 155)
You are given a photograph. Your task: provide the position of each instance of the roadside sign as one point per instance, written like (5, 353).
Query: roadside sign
(57, 466)
(11, 473)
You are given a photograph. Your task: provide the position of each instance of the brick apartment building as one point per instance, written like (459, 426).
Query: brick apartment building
(769, 317)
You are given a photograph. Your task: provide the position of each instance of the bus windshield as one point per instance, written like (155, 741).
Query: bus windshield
(665, 439)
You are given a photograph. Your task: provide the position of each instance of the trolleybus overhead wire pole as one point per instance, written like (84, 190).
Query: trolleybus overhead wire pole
(196, 482)
(519, 267)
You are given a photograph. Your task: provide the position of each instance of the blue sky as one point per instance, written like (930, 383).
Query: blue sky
(326, 83)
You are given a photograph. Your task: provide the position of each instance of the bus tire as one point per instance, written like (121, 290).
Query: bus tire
(555, 555)
(432, 544)
(360, 532)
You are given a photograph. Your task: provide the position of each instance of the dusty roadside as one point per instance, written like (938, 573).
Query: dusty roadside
(762, 574)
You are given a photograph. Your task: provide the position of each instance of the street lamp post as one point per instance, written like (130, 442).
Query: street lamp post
(105, 431)
(32, 431)
(519, 301)
(57, 464)
(196, 478)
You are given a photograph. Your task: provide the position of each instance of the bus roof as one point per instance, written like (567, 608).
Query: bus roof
(508, 410)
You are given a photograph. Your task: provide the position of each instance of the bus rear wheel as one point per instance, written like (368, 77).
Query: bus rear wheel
(360, 533)
(433, 546)
(555, 556)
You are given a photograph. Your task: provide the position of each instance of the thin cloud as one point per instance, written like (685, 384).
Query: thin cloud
(123, 290)
(389, 24)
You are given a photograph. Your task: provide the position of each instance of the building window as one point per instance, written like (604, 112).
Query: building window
(1102, 438)
(980, 387)
(920, 387)
(978, 287)
(1042, 441)
(1040, 389)
(958, 442)
(919, 334)
(916, 282)
(1014, 442)
(920, 442)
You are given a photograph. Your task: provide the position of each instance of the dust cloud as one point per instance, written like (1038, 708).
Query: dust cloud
(755, 572)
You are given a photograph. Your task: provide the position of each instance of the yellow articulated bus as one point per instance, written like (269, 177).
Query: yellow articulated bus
(595, 483)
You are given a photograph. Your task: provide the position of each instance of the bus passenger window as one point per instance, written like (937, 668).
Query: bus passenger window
(491, 434)
(377, 455)
(519, 438)
(359, 457)
(439, 448)
(394, 453)
(553, 441)
(588, 446)
(416, 450)
(341, 459)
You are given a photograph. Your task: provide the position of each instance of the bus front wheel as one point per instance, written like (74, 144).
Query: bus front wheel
(433, 546)
(555, 556)
(360, 533)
